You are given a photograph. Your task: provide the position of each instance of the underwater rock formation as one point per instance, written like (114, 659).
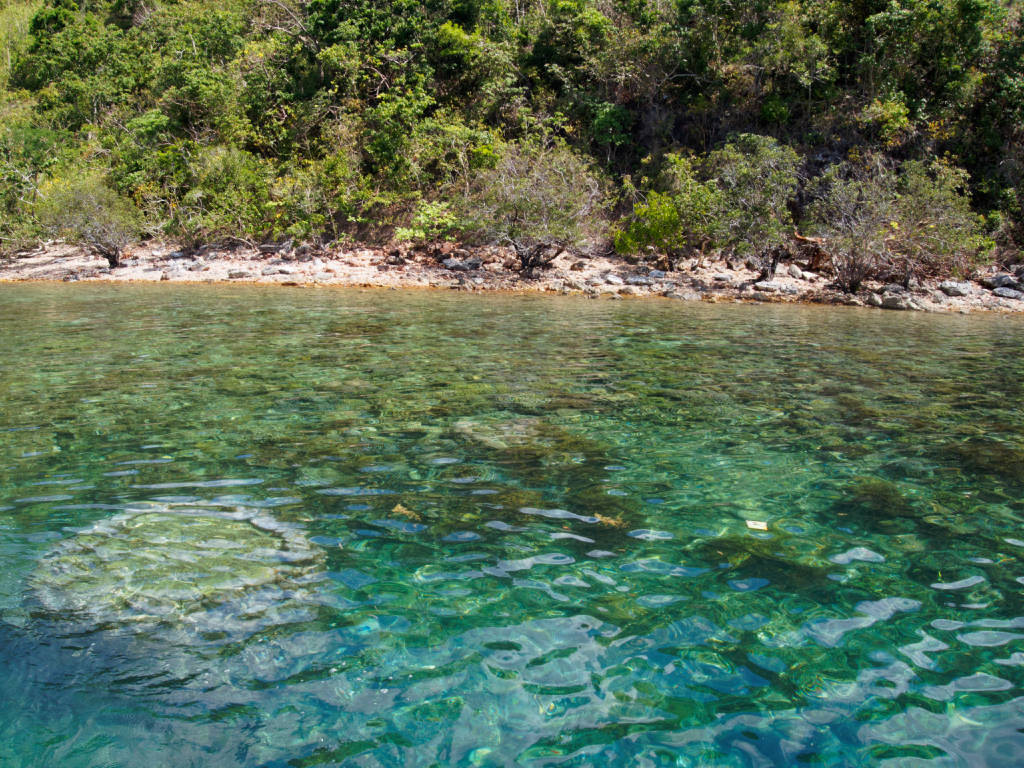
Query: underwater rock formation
(197, 572)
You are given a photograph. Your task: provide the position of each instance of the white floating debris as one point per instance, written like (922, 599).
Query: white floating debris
(757, 525)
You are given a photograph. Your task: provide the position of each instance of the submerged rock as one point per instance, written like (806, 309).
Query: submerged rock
(500, 435)
(190, 570)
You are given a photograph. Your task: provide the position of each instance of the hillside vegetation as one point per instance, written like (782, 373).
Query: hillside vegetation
(890, 132)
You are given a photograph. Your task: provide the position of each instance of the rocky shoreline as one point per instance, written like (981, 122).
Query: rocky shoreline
(492, 269)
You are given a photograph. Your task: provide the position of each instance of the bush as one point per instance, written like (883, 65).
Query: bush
(735, 199)
(758, 178)
(431, 221)
(87, 212)
(686, 218)
(223, 193)
(852, 213)
(938, 233)
(540, 198)
(896, 226)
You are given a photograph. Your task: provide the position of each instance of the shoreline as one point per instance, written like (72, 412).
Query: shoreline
(489, 269)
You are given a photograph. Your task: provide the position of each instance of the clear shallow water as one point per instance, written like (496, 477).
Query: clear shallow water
(505, 531)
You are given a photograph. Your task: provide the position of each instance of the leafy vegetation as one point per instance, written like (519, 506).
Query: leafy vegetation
(698, 127)
(735, 200)
(542, 200)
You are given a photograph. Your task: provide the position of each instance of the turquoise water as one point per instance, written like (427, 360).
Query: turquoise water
(287, 528)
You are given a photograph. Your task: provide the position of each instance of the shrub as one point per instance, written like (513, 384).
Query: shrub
(735, 199)
(896, 226)
(432, 220)
(540, 198)
(758, 178)
(687, 217)
(88, 212)
(938, 233)
(224, 193)
(852, 213)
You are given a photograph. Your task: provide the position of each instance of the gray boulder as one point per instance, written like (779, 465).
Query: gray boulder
(895, 301)
(639, 280)
(954, 288)
(1008, 293)
(999, 281)
(457, 265)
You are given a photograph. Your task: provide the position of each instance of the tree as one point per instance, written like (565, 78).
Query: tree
(540, 198)
(852, 212)
(86, 211)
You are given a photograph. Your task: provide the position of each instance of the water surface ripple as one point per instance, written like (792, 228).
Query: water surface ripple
(284, 529)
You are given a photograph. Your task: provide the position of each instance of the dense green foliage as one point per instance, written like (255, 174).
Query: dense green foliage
(734, 200)
(716, 126)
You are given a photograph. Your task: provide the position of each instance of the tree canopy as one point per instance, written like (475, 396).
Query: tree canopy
(706, 124)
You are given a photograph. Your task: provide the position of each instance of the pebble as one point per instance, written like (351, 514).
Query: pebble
(613, 280)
